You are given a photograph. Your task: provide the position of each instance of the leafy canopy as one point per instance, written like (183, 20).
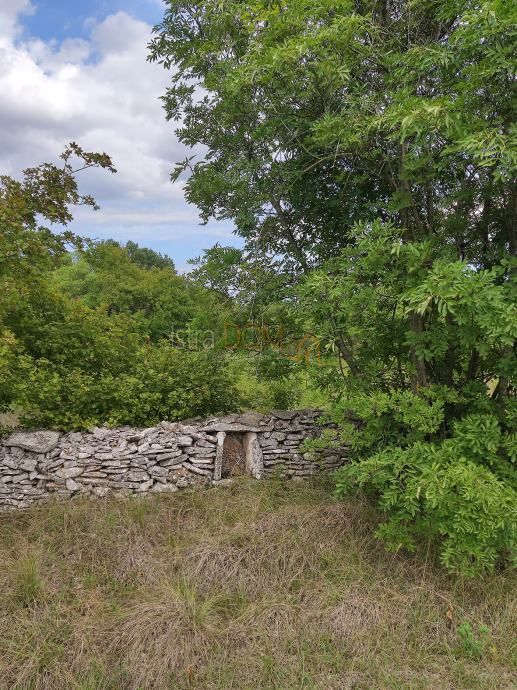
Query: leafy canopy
(371, 146)
(85, 337)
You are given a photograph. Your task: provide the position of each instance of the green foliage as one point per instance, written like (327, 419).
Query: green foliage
(168, 383)
(257, 392)
(160, 383)
(432, 490)
(370, 148)
(90, 337)
(147, 258)
(106, 277)
(440, 457)
(218, 269)
(319, 115)
(471, 645)
(46, 192)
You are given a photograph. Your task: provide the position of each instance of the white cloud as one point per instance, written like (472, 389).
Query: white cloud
(9, 13)
(102, 93)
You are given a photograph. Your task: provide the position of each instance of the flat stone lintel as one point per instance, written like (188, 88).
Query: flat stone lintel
(34, 441)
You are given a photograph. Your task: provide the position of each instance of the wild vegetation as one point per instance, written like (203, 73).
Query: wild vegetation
(96, 332)
(371, 146)
(366, 154)
(262, 585)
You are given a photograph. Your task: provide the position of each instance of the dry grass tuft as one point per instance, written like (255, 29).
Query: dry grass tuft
(174, 630)
(356, 615)
(264, 585)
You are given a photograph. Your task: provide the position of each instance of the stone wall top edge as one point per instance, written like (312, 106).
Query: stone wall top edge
(42, 441)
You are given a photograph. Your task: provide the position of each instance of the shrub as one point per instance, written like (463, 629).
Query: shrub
(472, 645)
(431, 490)
(429, 385)
(162, 383)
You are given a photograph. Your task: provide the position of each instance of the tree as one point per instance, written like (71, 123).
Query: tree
(316, 115)
(262, 317)
(84, 336)
(47, 192)
(29, 250)
(106, 276)
(148, 258)
(373, 145)
(219, 269)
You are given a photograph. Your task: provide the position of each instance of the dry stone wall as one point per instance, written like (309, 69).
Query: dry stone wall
(36, 466)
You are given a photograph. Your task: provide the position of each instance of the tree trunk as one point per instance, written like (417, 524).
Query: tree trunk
(419, 377)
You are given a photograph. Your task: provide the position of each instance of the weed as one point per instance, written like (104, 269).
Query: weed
(472, 644)
(28, 584)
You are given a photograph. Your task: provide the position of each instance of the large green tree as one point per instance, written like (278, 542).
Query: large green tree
(372, 144)
(34, 214)
(132, 281)
(85, 337)
(46, 194)
(316, 115)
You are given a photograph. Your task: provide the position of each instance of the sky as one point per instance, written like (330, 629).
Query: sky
(76, 70)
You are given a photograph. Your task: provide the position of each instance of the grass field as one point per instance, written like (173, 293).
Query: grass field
(260, 585)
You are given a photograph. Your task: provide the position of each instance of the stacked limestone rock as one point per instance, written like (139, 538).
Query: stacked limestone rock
(281, 450)
(38, 465)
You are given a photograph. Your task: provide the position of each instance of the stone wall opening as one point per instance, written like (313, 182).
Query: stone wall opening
(234, 457)
(238, 453)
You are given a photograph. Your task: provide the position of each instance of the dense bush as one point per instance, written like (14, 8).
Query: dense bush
(87, 337)
(161, 383)
(436, 491)
(440, 458)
